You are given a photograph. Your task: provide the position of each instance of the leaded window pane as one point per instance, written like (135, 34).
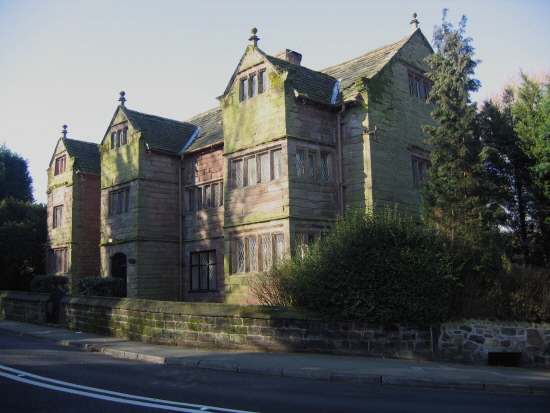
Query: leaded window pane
(239, 176)
(195, 278)
(262, 82)
(277, 164)
(265, 174)
(212, 276)
(311, 165)
(266, 253)
(300, 163)
(253, 85)
(207, 197)
(192, 201)
(324, 167)
(203, 277)
(279, 247)
(252, 173)
(240, 255)
(244, 89)
(253, 254)
(217, 196)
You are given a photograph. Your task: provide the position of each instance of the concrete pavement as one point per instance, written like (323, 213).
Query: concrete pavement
(343, 369)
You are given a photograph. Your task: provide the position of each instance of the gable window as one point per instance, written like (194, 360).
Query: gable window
(119, 201)
(420, 164)
(205, 196)
(60, 165)
(419, 86)
(258, 253)
(203, 271)
(252, 85)
(257, 168)
(119, 138)
(58, 216)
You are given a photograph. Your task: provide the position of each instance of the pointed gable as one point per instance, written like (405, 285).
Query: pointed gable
(367, 66)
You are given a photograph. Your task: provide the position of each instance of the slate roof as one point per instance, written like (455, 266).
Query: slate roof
(161, 133)
(211, 130)
(316, 85)
(366, 66)
(86, 155)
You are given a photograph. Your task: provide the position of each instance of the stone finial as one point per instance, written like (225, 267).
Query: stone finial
(64, 131)
(414, 22)
(254, 39)
(122, 99)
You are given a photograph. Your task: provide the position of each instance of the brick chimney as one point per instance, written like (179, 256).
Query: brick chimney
(290, 56)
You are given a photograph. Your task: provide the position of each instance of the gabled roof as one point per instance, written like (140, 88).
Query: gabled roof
(211, 130)
(307, 82)
(366, 66)
(160, 133)
(86, 155)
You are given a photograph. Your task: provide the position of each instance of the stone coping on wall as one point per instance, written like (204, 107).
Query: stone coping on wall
(198, 309)
(24, 296)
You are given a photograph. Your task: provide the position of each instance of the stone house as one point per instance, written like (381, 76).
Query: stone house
(189, 210)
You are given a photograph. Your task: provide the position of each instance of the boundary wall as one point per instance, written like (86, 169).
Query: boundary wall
(262, 328)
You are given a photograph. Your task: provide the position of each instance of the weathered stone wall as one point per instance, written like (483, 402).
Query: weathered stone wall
(253, 328)
(85, 239)
(261, 328)
(28, 308)
(399, 116)
(473, 342)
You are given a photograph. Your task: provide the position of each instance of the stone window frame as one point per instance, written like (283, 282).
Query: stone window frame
(119, 201)
(60, 165)
(420, 164)
(252, 84)
(241, 173)
(258, 252)
(197, 266)
(310, 164)
(57, 216)
(419, 86)
(119, 136)
(202, 197)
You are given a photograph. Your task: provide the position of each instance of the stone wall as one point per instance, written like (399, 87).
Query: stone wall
(252, 328)
(28, 308)
(261, 328)
(474, 342)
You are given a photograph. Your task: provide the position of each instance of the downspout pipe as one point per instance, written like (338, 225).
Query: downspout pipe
(180, 228)
(340, 155)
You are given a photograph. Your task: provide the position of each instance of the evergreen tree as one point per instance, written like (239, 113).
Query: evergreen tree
(456, 194)
(531, 110)
(15, 180)
(508, 168)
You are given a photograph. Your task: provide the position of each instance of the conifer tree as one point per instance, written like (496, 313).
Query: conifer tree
(455, 197)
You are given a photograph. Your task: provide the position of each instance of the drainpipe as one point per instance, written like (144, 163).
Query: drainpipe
(180, 216)
(340, 169)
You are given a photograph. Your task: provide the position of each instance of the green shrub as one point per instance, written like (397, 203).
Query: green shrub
(49, 283)
(376, 267)
(102, 286)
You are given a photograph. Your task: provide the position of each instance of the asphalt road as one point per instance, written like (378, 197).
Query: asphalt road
(38, 376)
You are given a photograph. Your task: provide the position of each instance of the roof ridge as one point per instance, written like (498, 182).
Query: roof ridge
(79, 141)
(300, 66)
(155, 116)
(403, 40)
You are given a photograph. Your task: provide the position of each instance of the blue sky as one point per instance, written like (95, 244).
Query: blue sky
(65, 61)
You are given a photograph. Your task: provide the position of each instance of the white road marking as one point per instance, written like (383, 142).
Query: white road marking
(86, 391)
